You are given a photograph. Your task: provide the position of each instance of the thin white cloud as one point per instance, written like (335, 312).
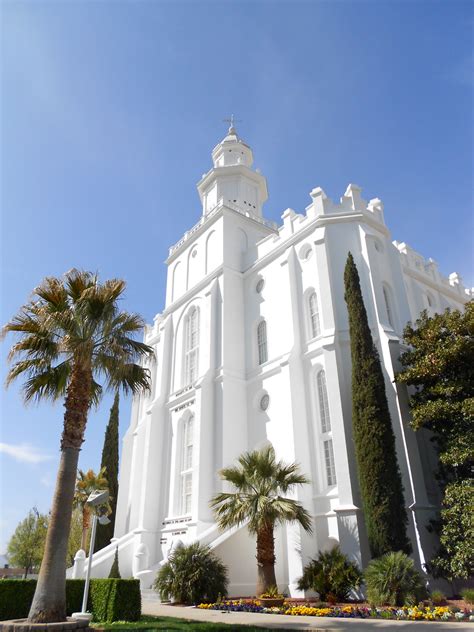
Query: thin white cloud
(24, 453)
(46, 480)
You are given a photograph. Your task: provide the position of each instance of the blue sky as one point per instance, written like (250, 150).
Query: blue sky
(110, 111)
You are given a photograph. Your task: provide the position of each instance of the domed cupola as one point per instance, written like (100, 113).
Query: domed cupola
(232, 151)
(232, 182)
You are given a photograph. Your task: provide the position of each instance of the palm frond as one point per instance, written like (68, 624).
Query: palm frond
(77, 319)
(53, 294)
(260, 482)
(49, 384)
(131, 378)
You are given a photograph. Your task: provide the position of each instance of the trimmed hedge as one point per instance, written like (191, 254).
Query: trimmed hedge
(16, 596)
(109, 599)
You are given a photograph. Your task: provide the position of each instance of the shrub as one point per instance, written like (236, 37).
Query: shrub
(115, 599)
(468, 595)
(191, 575)
(74, 594)
(332, 574)
(438, 597)
(393, 580)
(114, 571)
(109, 599)
(272, 592)
(16, 596)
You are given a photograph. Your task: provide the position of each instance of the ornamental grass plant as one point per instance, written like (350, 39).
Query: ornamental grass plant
(332, 575)
(193, 573)
(394, 581)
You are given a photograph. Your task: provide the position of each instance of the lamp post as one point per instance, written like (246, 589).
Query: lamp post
(95, 499)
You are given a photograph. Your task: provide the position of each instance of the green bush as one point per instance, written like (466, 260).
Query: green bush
(16, 596)
(438, 598)
(468, 595)
(115, 599)
(115, 571)
(191, 575)
(74, 594)
(331, 575)
(393, 580)
(109, 599)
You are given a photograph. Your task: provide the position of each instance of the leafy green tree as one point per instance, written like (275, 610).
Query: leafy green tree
(75, 536)
(114, 571)
(110, 465)
(331, 573)
(379, 476)
(261, 483)
(455, 559)
(26, 546)
(71, 334)
(86, 483)
(440, 366)
(191, 575)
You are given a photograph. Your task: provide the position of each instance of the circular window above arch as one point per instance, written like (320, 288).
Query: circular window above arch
(194, 253)
(305, 252)
(264, 402)
(260, 285)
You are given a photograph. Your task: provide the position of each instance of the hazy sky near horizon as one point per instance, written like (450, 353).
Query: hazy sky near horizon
(110, 111)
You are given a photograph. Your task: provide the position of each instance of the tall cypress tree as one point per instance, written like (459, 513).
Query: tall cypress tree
(379, 476)
(110, 460)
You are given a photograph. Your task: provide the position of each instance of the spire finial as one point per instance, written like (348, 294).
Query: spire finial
(232, 120)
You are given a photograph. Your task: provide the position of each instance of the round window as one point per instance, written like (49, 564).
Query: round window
(305, 252)
(259, 286)
(265, 401)
(194, 253)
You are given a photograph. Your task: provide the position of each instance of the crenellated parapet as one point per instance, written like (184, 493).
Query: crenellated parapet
(323, 210)
(426, 270)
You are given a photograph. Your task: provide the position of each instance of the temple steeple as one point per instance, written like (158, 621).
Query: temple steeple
(231, 181)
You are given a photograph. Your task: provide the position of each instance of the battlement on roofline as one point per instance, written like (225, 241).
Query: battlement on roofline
(322, 210)
(416, 265)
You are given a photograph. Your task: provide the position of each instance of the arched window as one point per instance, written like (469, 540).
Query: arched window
(191, 346)
(186, 470)
(329, 461)
(262, 342)
(323, 401)
(314, 315)
(388, 307)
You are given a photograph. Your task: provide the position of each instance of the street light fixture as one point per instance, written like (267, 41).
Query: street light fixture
(96, 499)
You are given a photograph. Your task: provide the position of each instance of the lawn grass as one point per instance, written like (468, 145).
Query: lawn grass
(149, 624)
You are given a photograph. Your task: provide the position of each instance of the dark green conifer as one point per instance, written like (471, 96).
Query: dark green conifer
(379, 476)
(110, 460)
(114, 571)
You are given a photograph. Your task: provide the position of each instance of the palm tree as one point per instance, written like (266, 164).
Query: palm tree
(86, 483)
(261, 483)
(71, 335)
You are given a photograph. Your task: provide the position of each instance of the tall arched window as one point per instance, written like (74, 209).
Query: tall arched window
(186, 474)
(329, 461)
(314, 315)
(191, 346)
(388, 307)
(323, 401)
(262, 342)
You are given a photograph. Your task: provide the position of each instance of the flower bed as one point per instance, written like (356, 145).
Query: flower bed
(407, 613)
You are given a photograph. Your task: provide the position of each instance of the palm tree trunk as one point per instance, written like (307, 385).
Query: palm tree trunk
(265, 559)
(85, 527)
(49, 601)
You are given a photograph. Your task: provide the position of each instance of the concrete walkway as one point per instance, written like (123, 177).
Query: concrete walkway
(287, 622)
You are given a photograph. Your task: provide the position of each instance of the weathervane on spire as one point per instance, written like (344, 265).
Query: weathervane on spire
(232, 120)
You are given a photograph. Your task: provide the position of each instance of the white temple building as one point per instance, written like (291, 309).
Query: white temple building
(253, 348)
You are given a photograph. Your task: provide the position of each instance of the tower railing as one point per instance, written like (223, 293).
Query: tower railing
(220, 204)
